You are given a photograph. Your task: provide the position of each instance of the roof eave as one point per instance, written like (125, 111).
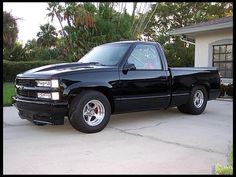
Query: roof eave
(181, 31)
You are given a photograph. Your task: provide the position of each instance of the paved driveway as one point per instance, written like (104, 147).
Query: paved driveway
(151, 142)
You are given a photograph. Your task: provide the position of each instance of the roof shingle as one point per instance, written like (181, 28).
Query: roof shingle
(220, 23)
(211, 22)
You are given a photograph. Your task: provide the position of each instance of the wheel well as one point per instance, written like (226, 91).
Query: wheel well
(207, 87)
(104, 90)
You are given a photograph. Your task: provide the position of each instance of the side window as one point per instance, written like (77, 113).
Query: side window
(145, 57)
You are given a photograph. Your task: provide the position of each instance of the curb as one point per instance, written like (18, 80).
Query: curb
(224, 99)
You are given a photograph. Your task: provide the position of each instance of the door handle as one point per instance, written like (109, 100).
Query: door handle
(163, 78)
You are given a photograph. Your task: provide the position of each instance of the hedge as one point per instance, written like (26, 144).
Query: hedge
(12, 68)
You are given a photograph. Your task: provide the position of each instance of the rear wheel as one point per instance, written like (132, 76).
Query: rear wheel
(90, 112)
(197, 101)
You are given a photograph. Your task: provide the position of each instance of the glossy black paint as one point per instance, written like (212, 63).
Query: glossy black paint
(41, 111)
(127, 89)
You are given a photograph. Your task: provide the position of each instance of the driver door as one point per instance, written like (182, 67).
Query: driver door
(146, 86)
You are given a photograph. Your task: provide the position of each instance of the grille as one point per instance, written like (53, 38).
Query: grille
(26, 82)
(27, 93)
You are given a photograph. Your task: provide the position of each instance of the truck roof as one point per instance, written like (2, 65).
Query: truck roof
(130, 42)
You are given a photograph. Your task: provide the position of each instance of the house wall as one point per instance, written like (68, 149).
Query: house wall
(204, 48)
(203, 45)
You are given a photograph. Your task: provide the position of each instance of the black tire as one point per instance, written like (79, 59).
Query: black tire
(92, 99)
(194, 106)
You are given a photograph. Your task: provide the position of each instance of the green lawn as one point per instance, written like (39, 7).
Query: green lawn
(8, 92)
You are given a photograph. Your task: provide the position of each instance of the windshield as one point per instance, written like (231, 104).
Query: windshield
(110, 54)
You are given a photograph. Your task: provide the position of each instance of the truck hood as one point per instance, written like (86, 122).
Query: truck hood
(55, 70)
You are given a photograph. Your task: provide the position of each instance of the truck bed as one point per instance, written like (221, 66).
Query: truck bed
(183, 78)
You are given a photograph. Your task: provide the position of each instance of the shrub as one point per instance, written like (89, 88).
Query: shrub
(222, 89)
(229, 90)
(40, 53)
(15, 53)
(11, 68)
(226, 170)
(30, 52)
(226, 89)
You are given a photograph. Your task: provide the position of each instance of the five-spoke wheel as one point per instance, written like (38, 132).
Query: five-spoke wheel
(93, 112)
(197, 101)
(89, 111)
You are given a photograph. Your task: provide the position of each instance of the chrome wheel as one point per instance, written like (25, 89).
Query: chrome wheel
(198, 99)
(93, 112)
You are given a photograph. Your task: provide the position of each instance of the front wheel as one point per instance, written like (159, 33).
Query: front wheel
(197, 101)
(90, 112)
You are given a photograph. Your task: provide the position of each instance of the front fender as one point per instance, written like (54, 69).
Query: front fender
(79, 85)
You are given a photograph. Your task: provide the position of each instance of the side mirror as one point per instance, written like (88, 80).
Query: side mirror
(128, 67)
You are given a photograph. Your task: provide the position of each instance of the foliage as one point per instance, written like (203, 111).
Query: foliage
(178, 54)
(229, 90)
(47, 36)
(226, 170)
(31, 52)
(14, 53)
(88, 26)
(34, 51)
(8, 92)
(169, 16)
(223, 89)
(226, 89)
(12, 68)
(10, 30)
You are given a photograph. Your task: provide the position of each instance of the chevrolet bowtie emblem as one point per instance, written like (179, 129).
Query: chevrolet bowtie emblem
(20, 87)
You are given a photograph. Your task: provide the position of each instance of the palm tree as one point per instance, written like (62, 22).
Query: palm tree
(47, 37)
(10, 30)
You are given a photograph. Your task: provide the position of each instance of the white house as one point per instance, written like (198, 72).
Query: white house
(213, 42)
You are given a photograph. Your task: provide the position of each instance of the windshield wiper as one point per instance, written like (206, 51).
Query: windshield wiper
(95, 63)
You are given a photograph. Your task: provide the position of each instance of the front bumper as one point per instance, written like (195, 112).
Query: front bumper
(41, 111)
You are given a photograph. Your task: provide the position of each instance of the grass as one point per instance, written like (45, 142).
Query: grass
(8, 92)
(226, 170)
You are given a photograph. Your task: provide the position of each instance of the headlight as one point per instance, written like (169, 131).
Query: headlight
(50, 83)
(54, 83)
(43, 83)
(53, 95)
(44, 95)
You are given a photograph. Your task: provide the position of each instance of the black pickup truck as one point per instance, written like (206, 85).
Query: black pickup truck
(112, 78)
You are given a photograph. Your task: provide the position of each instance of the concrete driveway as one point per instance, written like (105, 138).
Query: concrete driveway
(151, 142)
